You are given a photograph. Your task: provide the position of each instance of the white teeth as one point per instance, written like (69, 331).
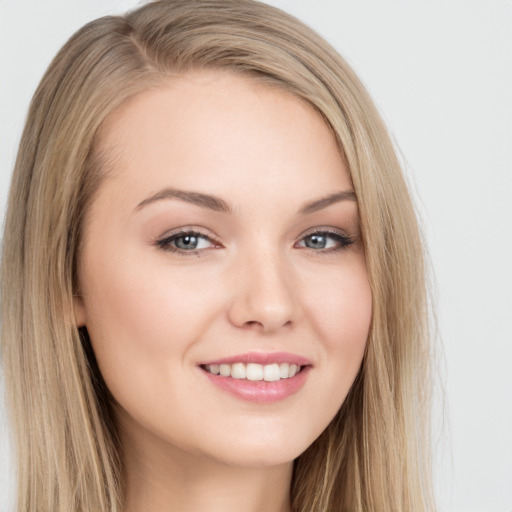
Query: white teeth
(238, 371)
(225, 370)
(271, 372)
(214, 368)
(255, 372)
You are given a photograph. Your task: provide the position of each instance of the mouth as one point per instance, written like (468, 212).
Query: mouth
(257, 377)
(255, 372)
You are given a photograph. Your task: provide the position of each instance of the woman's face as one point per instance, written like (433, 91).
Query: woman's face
(224, 239)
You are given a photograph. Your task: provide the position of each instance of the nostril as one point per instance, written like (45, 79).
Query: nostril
(263, 304)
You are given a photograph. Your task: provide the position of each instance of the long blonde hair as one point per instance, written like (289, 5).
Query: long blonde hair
(374, 456)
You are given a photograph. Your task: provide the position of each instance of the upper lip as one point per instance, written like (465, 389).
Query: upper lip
(262, 358)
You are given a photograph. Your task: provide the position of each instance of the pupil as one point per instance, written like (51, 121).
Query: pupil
(316, 241)
(187, 242)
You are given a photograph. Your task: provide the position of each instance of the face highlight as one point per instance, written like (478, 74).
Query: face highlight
(223, 281)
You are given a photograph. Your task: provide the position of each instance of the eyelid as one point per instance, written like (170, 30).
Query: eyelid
(341, 236)
(327, 230)
(163, 242)
(323, 229)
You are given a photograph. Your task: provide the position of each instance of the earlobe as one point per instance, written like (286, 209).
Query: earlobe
(79, 310)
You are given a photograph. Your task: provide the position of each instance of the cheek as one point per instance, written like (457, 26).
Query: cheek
(340, 303)
(347, 315)
(340, 307)
(143, 318)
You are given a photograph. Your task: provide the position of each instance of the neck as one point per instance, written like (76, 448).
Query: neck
(164, 478)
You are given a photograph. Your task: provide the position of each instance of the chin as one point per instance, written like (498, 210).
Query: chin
(261, 450)
(249, 457)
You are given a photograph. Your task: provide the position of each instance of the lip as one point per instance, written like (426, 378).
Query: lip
(262, 358)
(261, 391)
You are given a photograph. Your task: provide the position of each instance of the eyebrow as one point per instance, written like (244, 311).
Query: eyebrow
(219, 205)
(324, 202)
(203, 200)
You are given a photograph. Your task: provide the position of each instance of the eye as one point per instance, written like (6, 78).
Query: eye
(325, 241)
(191, 242)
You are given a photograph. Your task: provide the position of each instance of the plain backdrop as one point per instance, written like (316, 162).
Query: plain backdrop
(441, 74)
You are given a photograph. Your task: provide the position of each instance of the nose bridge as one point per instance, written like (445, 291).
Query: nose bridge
(264, 294)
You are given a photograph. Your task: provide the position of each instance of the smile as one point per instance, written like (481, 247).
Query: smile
(254, 371)
(259, 377)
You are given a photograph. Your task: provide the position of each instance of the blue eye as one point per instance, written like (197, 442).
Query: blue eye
(326, 241)
(186, 241)
(195, 243)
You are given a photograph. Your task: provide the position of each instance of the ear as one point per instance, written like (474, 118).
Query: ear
(79, 309)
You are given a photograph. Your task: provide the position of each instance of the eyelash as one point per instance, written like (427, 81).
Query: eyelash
(343, 240)
(165, 243)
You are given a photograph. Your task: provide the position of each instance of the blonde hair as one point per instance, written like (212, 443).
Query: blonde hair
(374, 455)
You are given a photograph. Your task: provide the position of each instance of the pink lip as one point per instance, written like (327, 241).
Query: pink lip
(261, 391)
(262, 358)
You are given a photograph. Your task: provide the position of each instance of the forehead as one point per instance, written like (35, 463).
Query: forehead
(219, 131)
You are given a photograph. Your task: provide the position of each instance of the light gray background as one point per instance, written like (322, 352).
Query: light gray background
(441, 74)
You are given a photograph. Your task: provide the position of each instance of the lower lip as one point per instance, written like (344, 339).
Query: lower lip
(260, 391)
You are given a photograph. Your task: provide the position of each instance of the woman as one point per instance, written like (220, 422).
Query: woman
(212, 280)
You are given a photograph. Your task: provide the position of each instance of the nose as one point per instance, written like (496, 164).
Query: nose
(265, 294)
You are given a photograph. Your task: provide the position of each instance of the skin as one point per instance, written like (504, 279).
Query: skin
(153, 315)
